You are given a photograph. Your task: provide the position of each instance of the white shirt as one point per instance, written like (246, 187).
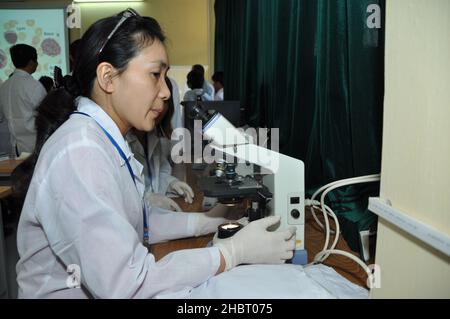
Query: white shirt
(208, 88)
(19, 97)
(82, 208)
(219, 95)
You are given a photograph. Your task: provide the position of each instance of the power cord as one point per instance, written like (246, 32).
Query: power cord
(327, 211)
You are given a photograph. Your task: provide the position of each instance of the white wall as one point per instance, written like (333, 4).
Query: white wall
(416, 146)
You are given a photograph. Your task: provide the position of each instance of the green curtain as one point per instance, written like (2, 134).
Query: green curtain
(315, 70)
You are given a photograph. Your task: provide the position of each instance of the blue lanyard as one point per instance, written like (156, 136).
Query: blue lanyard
(122, 154)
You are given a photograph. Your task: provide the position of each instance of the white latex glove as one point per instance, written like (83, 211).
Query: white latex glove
(161, 201)
(253, 244)
(182, 189)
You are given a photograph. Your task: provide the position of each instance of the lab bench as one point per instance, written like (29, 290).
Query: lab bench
(6, 168)
(314, 237)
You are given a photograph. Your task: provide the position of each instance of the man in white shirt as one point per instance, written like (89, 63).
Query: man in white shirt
(19, 97)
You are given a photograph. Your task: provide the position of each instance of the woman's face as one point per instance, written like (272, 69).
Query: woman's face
(141, 90)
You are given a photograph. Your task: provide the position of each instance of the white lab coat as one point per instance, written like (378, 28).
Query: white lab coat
(83, 210)
(19, 97)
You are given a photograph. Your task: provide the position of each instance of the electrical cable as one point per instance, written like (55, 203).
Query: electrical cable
(327, 211)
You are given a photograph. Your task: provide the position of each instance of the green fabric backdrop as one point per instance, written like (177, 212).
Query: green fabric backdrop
(315, 70)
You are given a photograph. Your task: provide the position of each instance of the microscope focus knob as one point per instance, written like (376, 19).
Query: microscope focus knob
(295, 213)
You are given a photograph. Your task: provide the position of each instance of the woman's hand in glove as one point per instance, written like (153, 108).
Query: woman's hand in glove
(182, 189)
(161, 201)
(253, 244)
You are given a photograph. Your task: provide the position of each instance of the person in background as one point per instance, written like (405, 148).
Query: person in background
(207, 87)
(47, 82)
(217, 79)
(84, 210)
(195, 83)
(19, 97)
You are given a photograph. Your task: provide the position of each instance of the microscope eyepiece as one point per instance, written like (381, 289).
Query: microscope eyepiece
(197, 112)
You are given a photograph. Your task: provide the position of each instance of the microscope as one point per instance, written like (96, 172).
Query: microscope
(273, 182)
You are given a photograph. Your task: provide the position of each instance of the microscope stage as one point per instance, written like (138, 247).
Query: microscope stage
(222, 188)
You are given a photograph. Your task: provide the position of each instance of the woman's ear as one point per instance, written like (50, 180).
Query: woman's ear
(105, 74)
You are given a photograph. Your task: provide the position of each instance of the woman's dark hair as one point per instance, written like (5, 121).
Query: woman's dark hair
(74, 49)
(127, 41)
(164, 127)
(47, 82)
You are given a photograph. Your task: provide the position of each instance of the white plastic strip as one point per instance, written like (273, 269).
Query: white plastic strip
(418, 229)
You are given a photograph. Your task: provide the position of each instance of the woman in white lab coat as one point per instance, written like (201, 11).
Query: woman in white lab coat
(83, 223)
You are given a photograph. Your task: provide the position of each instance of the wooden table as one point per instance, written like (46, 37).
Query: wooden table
(5, 191)
(7, 166)
(314, 239)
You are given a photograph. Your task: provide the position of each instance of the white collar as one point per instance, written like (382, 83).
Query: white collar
(86, 105)
(21, 72)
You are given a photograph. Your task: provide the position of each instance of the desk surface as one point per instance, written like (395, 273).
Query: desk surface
(314, 240)
(7, 166)
(5, 191)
